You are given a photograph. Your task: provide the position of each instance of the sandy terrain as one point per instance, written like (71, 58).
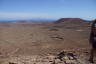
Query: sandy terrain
(40, 39)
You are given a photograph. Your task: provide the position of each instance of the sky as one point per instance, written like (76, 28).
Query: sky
(47, 9)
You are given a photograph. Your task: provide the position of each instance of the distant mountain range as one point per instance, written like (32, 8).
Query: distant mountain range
(44, 20)
(28, 20)
(60, 23)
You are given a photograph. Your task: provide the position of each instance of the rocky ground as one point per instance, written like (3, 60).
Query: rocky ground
(63, 57)
(40, 43)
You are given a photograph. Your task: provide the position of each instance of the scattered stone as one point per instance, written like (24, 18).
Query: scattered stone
(64, 57)
(57, 37)
(12, 63)
(54, 29)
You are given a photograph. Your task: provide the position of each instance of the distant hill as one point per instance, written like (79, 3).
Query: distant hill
(72, 22)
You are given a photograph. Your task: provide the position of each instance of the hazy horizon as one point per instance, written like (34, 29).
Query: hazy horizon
(47, 9)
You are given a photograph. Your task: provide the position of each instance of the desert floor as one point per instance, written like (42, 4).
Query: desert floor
(41, 39)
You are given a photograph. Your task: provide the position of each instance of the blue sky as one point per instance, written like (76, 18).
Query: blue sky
(47, 9)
